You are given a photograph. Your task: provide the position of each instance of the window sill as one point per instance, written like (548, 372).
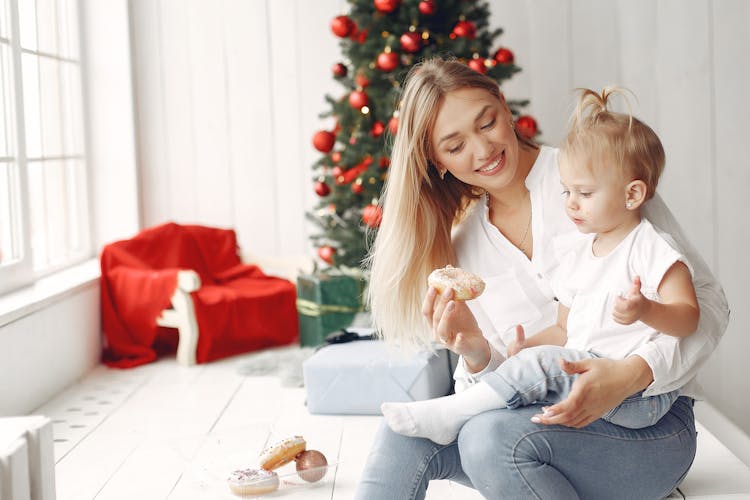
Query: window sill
(50, 289)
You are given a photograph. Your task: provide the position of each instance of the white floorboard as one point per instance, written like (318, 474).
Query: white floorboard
(164, 431)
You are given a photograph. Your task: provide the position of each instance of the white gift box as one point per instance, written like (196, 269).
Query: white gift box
(354, 378)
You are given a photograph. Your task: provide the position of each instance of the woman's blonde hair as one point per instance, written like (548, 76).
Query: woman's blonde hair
(419, 208)
(606, 138)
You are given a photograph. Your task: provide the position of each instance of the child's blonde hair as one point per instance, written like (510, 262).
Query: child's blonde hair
(605, 138)
(419, 208)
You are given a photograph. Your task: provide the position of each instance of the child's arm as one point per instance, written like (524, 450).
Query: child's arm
(556, 334)
(676, 315)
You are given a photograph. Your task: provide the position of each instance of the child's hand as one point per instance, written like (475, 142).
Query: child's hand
(630, 308)
(518, 344)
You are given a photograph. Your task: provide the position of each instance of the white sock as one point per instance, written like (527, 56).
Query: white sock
(440, 419)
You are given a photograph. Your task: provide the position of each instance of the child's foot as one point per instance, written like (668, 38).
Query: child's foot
(440, 419)
(428, 419)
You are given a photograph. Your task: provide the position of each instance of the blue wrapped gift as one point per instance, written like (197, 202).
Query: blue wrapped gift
(354, 378)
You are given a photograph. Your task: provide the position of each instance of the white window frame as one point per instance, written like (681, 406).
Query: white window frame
(22, 272)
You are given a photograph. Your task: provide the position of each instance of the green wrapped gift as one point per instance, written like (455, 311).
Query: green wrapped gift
(326, 303)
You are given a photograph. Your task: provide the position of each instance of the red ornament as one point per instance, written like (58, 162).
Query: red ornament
(478, 65)
(336, 156)
(387, 6)
(427, 7)
(384, 162)
(358, 99)
(377, 129)
(372, 215)
(465, 29)
(337, 171)
(387, 61)
(326, 253)
(361, 80)
(359, 36)
(357, 188)
(339, 70)
(342, 26)
(323, 141)
(411, 41)
(311, 465)
(322, 189)
(526, 126)
(393, 125)
(504, 56)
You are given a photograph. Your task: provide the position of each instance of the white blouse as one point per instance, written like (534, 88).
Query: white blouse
(518, 290)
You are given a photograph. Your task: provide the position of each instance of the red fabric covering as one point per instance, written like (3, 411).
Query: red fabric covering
(238, 308)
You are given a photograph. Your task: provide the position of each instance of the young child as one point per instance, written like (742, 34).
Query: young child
(609, 166)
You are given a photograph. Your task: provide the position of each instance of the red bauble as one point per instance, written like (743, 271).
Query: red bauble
(342, 26)
(387, 61)
(526, 126)
(384, 162)
(504, 56)
(361, 80)
(326, 253)
(339, 70)
(358, 99)
(377, 129)
(387, 6)
(336, 156)
(411, 41)
(465, 29)
(427, 7)
(358, 188)
(322, 189)
(393, 125)
(478, 65)
(372, 215)
(311, 465)
(323, 141)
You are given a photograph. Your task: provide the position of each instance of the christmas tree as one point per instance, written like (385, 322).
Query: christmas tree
(380, 41)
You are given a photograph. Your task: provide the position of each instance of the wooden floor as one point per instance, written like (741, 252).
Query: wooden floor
(164, 431)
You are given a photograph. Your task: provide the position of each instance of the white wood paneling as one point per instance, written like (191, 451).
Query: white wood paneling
(731, 79)
(250, 115)
(685, 120)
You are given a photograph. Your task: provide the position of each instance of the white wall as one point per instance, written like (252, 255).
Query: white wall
(228, 94)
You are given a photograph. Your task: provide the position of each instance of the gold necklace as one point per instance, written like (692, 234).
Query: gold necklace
(526, 231)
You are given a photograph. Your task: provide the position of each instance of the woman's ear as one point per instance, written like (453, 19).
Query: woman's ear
(635, 194)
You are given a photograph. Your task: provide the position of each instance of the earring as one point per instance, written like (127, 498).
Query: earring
(441, 173)
(628, 204)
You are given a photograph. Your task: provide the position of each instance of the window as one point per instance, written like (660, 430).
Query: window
(44, 222)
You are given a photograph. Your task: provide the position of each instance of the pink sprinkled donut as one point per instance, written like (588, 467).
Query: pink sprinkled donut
(251, 482)
(466, 286)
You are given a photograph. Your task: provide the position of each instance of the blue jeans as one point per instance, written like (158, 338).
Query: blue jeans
(534, 375)
(504, 455)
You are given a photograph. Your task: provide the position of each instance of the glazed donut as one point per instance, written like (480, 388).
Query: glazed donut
(282, 452)
(253, 482)
(466, 286)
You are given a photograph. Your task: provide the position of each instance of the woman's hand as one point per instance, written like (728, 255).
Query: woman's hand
(454, 326)
(602, 384)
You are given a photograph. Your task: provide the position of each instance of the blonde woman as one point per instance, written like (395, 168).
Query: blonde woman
(465, 189)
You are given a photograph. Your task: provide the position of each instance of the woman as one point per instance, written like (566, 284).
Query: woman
(485, 199)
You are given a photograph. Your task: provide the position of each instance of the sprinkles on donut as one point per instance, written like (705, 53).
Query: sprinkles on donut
(465, 285)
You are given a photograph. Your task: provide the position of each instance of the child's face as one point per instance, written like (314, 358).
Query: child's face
(595, 195)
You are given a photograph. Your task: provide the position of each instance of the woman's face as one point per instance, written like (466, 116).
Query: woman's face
(473, 139)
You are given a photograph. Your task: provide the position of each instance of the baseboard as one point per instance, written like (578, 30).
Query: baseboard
(724, 429)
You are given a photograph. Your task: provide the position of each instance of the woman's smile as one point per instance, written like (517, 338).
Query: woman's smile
(494, 165)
